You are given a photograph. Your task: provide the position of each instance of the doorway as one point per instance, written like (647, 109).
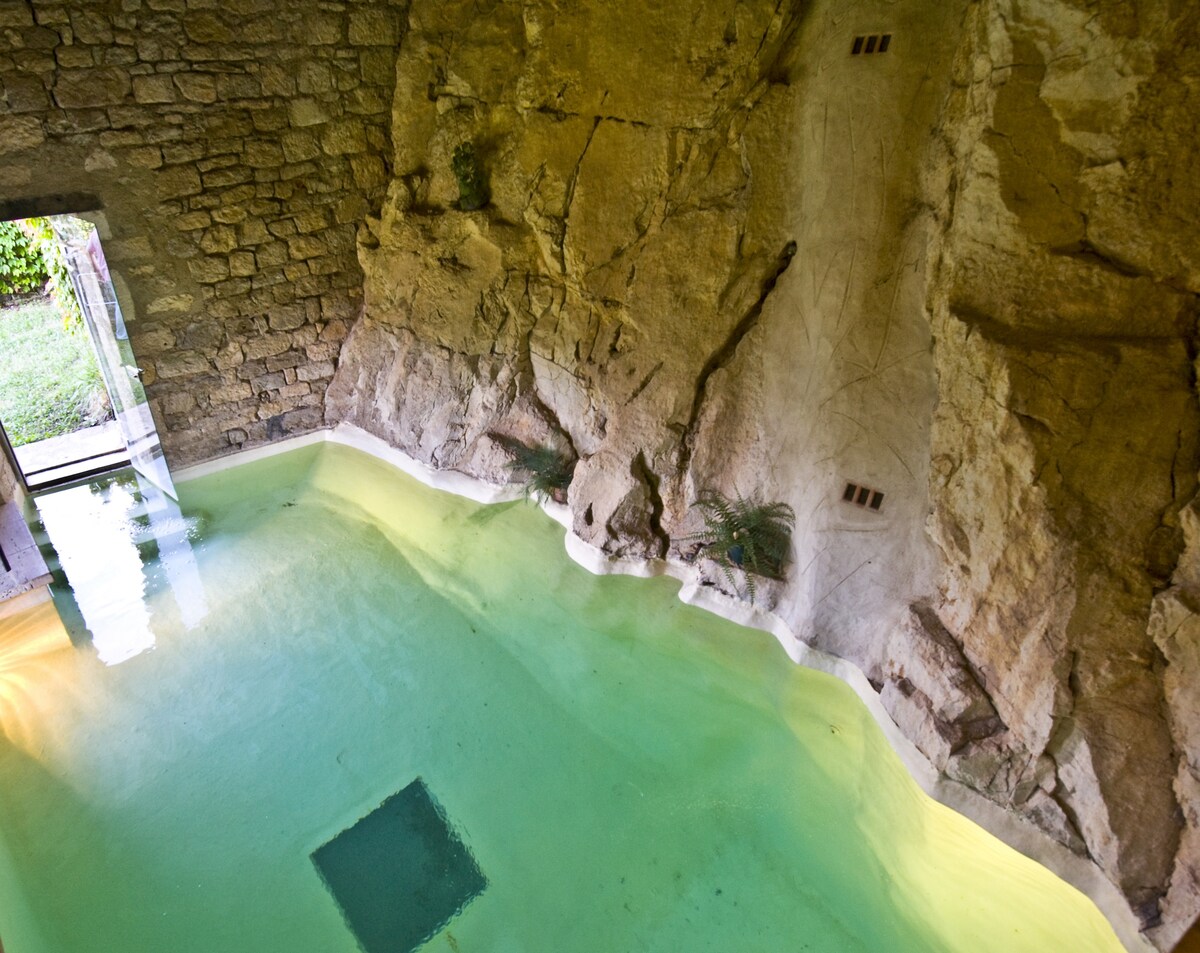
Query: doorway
(87, 301)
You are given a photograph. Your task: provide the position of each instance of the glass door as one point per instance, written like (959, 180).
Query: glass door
(106, 325)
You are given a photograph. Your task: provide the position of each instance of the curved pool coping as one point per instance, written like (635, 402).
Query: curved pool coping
(1081, 873)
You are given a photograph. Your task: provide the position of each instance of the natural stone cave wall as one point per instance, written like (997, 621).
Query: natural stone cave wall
(626, 243)
(721, 252)
(232, 148)
(665, 282)
(1064, 445)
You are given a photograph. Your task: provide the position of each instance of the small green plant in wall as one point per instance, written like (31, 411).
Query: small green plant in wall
(745, 535)
(472, 184)
(547, 470)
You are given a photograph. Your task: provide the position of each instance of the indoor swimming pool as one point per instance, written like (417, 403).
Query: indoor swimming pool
(322, 708)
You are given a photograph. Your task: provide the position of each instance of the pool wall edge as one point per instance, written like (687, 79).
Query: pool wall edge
(1078, 871)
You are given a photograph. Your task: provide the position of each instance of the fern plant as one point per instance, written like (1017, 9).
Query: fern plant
(747, 535)
(549, 470)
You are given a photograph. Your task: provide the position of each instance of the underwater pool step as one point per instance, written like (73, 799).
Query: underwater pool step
(78, 470)
(87, 443)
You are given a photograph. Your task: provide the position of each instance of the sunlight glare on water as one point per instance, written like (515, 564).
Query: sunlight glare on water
(95, 536)
(628, 772)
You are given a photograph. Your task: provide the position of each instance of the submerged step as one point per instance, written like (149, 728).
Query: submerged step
(78, 470)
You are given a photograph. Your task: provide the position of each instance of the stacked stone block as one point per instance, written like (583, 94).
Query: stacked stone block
(234, 148)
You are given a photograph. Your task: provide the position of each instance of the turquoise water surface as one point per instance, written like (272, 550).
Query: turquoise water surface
(317, 631)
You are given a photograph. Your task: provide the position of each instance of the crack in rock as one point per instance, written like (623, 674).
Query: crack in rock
(725, 353)
(642, 472)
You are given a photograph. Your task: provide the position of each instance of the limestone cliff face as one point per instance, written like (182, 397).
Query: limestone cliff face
(1064, 444)
(682, 274)
(638, 217)
(723, 252)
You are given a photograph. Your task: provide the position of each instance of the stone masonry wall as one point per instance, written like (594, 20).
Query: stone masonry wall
(233, 148)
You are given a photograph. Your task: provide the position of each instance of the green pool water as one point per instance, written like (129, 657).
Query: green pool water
(629, 773)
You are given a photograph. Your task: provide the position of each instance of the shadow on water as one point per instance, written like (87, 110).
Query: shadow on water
(486, 514)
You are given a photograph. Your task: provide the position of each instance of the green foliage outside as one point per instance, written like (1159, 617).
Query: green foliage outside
(22, 269)
(41, 236)
(548, 471)
(32, 258)
(746, 535)
(472, 185)
(50, 383)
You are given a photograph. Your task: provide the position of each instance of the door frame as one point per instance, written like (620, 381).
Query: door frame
(88, 208)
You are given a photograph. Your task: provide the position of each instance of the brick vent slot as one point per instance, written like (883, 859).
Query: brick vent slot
(871, 43)
(862, 496)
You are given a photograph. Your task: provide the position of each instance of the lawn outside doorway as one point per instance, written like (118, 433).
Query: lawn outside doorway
(51, 388)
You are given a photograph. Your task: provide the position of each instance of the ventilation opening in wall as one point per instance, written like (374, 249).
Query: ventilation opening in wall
(871, 43)
(862, 496)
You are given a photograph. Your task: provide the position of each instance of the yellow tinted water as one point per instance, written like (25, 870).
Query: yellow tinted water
(630, 773)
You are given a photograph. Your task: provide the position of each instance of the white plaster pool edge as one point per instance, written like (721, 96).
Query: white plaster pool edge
(1080, 873)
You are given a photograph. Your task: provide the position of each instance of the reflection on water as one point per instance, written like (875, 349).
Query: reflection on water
(104, 534)
(174, 534)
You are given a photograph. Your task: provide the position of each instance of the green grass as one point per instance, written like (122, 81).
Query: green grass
(50, 383)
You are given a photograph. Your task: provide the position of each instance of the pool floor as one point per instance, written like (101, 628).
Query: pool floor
(314, 632)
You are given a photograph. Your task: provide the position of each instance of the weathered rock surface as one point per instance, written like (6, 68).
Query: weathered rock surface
(738, 259)
(441, 405)
(622, 245)
(1175, 628)
(1065, 439)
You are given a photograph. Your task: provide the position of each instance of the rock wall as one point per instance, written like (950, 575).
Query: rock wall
(632, 234)
(672, 289)
(1064, 445)
(1175, 628)
(233, 149)
(722, 252)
